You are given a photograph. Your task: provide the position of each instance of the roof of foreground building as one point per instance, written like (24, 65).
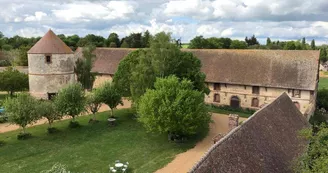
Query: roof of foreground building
(267, 142)
(50, 44)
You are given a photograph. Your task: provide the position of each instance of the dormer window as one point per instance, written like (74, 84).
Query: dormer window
(48, 59)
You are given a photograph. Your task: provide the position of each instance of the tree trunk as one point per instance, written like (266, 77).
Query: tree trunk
(24, 130)
(11, 93)
(50, 124)
(94, 116)
(112, 112)
(73, 118)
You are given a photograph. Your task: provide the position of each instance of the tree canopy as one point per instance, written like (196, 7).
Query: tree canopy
(12, 80)
(138, 71)
(70, 100)
(174, 107)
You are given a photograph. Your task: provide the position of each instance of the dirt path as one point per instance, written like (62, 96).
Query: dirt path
(6, 127)
(184, 162)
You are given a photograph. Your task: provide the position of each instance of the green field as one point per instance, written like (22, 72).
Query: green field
(323, 83)
(185, 45)
(90, 148)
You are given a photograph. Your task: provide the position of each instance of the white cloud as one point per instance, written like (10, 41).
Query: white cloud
(38, 16)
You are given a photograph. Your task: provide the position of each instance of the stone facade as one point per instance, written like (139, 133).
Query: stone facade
(255, 97)
(48, 77)
(101, 78)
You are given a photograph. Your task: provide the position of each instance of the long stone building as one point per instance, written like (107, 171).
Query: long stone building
(239, 78)
(242, 78)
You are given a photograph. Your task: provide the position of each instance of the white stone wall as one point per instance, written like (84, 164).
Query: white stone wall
(244, 93)
(50, 77)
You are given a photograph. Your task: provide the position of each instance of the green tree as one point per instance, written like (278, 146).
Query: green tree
(93, 103)
(268, 42)
(124, 44)
(12, 81)
(251, 41)
(112, 44)
(122, 77)
(290, 45)
(163, 58)
(236, 44)
(322, 98)
(92, 39)
(146, 38)
(313, 44)
(134, 40)
(21, 110)
(173, 107)
(84, 66)
(22, 56)
(109, 95)
(48, 110)
(113, 38)
(70, 101)
(323, 55)
(199, 42)
(315, 159)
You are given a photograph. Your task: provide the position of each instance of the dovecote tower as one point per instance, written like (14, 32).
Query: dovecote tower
(50, 66)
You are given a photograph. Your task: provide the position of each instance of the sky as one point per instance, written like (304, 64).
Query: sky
(185, 19)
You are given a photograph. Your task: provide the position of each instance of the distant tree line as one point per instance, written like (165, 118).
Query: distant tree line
(15, 48)
(199, 42)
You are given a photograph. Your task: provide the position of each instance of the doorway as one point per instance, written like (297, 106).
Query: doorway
(235, 102)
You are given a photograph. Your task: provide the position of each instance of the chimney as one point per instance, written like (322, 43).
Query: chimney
(233, 121)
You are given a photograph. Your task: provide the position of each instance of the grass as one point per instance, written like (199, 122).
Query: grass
(185, 45)
(323, 83)
(90, 148)
(219, 110)
(3, 96)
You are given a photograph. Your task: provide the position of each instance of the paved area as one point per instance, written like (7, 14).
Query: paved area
(185, 161)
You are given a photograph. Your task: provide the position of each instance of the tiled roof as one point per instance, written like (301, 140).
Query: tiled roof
(51, 44)
(272, 68)
(267, 142)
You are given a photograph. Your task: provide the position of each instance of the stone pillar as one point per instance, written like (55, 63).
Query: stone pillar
(233, 121)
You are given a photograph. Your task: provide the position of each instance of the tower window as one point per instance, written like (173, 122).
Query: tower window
(48, 58)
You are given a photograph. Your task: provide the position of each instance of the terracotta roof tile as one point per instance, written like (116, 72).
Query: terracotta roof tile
(271, 68)
(267, 142)
(50, 43)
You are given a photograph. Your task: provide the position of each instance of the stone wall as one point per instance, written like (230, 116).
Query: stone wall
(50, 77)
(100, 79)
(244, 93)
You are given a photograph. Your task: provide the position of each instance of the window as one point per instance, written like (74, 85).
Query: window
(217, 86)
(255, 102)
(48, 59)
(217, 98)
(256, 90)
(297, 93)
(51, 95)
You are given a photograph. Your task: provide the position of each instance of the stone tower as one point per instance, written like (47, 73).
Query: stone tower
(50, 66)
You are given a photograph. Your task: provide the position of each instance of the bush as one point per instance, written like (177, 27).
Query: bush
(52, 130)
(3, 118)
(2, 143)
(74, 124)
(5, 63)
(229, 108)
(24, 136)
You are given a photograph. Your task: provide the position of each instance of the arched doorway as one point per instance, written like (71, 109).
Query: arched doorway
(235, 102)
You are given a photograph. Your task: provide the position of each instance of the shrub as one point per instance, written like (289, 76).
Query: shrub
(52, 130)
(173, 107)
(47, 110)
(24, 136)
(74, 124)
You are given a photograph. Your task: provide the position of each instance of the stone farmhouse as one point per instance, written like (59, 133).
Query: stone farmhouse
(270, 137)
(239, 78)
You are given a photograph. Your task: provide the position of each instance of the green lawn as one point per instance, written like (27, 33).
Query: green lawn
(323, 83)
(185, 45)
(3, 96)
(227, 112)
(91, 147)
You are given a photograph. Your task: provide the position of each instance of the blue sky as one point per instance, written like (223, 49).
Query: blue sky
(280, 19)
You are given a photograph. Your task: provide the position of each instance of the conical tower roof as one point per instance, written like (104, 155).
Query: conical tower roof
(51, 44)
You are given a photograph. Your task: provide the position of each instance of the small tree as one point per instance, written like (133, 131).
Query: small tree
(70, 101)
(112, 44)
(109, 95)
(84, 66)
(173, 107)
(21, 110)
(125, 44)
(48, 110)
(12, 80)
(93, 104)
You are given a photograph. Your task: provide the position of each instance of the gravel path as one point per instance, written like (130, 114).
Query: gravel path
(184, 162)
